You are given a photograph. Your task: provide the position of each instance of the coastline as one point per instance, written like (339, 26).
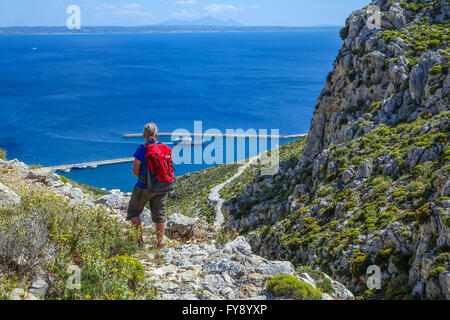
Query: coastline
(155, 30)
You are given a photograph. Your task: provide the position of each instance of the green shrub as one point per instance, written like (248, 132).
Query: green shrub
(126, 278)
(294, 244)
(289, 286)
(359, 264)
(446, 155)
(382, 256)
(2, 154)
(446, 220)
(374, 106)
(7, 285)
(436, 70)
(434, 274)
(423, 214)
(35, 166)
(402, 261)
(325, 285)
(64, 179)
(442, 260)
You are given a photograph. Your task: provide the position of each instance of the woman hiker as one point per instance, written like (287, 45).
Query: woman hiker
(153, 167)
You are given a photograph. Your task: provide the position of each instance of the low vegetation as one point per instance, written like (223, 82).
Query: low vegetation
(291, 287)
(192, 190)
(420, 38)
(46, 234)
(289, 154)
(87, 189)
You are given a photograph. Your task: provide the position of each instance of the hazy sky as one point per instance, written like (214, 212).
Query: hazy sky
(145, 12)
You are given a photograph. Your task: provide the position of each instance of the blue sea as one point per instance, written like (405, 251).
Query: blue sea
(70, 98)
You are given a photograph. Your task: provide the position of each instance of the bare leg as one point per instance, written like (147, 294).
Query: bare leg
(160, 230)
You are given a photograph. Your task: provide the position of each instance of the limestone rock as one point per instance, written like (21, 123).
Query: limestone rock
(239, 245)
(76, 193)
(17, 294)
(39, 174)
(15, 164)
(211, 272)
(418, 155)
(364, 170)
(397, 16)
(115, 200)
(146, 217)
(38, 288)
(54, 181)
(186, 228)
(275, 268)
(444, 281)
(446, 190)
(347, 174)
(66, 189)
(7, 197)
(420, 73)
(223, 265)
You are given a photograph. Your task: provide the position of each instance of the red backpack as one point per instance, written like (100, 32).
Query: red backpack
(159, 174)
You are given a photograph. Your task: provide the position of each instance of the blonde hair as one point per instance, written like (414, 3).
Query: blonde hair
(151, 131)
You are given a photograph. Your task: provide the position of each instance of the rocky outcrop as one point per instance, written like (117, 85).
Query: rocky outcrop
(185, 228)
(209, 272)
(115, 200)
(7, 197)
(370, 69)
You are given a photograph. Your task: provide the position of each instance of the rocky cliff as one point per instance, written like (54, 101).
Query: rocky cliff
(372, 183)
(383, 75)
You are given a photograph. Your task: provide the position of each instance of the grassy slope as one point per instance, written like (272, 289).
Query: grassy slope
(192, 190)
(289, 155)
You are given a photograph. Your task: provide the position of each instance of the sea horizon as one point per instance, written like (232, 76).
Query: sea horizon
(157, 28)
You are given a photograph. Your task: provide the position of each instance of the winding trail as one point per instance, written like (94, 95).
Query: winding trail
(215, 198)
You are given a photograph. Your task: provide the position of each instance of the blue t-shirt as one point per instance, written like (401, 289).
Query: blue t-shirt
(140, 155)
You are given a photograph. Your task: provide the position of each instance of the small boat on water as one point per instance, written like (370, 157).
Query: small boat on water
(189, 141)
(79, 167)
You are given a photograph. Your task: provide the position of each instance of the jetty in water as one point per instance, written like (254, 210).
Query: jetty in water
(89, 165)
(222, 135)
(95, 164)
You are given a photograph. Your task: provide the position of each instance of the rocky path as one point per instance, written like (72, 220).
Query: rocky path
(215, 198)
(213, 272)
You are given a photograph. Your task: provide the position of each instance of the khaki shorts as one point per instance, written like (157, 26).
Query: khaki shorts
(139, 200)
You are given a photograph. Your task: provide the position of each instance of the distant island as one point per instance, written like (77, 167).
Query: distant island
(206, 21)
(162, 28)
